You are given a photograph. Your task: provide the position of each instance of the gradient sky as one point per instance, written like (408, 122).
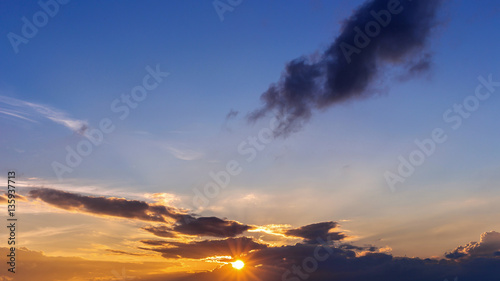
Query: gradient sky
(332, 169)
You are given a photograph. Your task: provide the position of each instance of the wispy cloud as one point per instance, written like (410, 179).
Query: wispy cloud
(28, 111)
(15, 113)
(182, 153)
(53, 231)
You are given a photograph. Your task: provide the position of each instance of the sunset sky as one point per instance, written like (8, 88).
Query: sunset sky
(164, 140)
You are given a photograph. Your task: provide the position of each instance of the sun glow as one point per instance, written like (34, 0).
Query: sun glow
(238, 264)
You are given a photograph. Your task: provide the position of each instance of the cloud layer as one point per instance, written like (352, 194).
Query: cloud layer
(320, 257)
(299, 262)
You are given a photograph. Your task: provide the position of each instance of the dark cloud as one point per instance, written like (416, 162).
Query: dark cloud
(202, 226)
(117, 207)
(118, 252)
(298, 262)
(351, 64)
(202, 249)
(286, 256)
(358, 248)
(161, 231)
(231, 114)
(153, 242)
(488, 246)
(211, 226)
(178, 222)
(317, 232)
(82, 130)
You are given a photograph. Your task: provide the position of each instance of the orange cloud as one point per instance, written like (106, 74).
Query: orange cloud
(4, 198)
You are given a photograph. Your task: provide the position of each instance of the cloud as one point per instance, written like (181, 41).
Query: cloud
(178, 222)
(20, 109)
(474, 261)
(18, 197)
(15, 113)
(201, 226)
(48, 231)
(182, 154)
(359, 248)
(231, 114)
(211, 226)
(118, 252)
(161, 231)
(313, 232)
(117, 207)
(298, 262)
(262, 262)
(202, 249)
(488, 246)
(341, 74)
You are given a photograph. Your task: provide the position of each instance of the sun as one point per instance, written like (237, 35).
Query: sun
(238, 264)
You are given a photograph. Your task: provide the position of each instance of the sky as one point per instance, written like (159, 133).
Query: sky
(164, 140)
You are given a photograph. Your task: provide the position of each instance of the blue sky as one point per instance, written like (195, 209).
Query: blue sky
(92, 52)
